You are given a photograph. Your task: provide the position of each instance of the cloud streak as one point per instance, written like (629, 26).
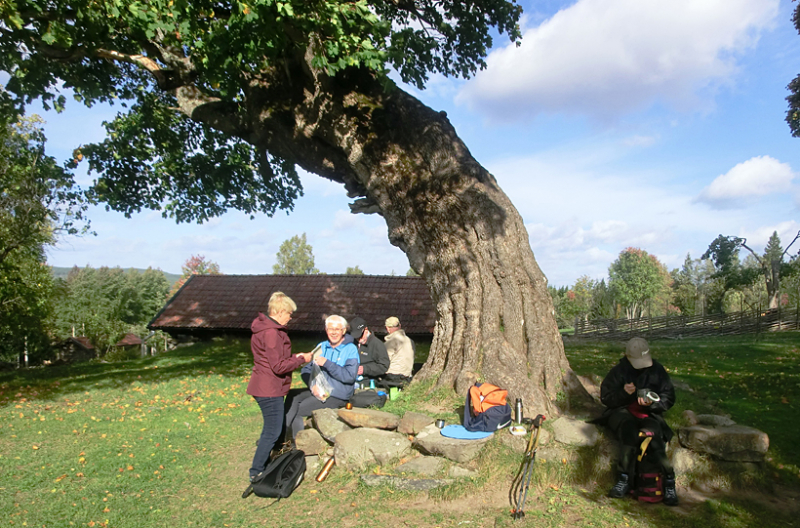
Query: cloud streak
(604, 58)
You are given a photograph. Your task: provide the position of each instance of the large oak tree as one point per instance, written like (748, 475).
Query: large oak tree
(225, 98)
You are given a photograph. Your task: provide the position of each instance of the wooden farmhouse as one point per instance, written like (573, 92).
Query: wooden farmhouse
(213, 305)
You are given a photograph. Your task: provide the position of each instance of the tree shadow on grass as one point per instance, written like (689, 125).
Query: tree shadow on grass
(230, 358)
(757, 505)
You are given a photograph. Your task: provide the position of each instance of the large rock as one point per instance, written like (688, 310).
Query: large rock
(714, 419)
(311, 442)
(328, 423)
(736, 443)
(431, 441)
(574, 432)
(413, 423)
(358, 417)
(422, 465)
(358, 448)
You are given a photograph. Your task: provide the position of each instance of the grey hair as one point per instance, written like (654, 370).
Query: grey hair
(336, 319)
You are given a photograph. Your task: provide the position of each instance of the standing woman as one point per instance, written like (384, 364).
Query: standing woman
(273, 364)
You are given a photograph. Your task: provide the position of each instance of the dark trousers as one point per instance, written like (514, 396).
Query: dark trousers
(272, 412)
(626, 427)
(303, 404)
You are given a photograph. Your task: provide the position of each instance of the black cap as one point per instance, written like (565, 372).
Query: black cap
(357, 326)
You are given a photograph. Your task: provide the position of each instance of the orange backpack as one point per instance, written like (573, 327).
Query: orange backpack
(486, 396)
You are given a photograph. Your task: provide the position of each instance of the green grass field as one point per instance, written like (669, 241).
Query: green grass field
(167, 441)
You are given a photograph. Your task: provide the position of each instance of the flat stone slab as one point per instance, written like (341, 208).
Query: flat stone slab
(413, 422)
(714, 419)
(408, 484)
(358, 448)
(574, 432)
(431, 441)
(736, 443)
(422, 465)
(358, 417)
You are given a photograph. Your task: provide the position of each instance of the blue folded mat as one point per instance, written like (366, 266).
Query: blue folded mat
(458, 431)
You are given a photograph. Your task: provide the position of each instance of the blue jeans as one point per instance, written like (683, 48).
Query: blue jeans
(272, 412)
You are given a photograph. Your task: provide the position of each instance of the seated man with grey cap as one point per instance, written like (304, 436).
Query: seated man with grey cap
(401, 354)
(374, 361)
(631, 408)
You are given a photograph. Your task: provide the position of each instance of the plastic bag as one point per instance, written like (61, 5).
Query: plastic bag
(319, 383)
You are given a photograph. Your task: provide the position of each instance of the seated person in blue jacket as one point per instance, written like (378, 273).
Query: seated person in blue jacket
(338, 361)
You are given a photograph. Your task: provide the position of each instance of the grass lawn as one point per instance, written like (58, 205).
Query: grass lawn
(167, 441)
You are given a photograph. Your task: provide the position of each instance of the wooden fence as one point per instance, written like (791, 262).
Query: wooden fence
(674, 326)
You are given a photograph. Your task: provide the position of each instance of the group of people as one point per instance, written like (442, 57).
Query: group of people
(344, 359)
(635, 392)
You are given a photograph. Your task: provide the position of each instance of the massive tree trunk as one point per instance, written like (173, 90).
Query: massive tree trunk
(447, 213)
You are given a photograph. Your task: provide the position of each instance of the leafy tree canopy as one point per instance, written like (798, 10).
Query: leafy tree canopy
(353, 271)
(105, 303)
(636, 277)
(38, 199)
(295, 257)
(194, 265)
(141, 53)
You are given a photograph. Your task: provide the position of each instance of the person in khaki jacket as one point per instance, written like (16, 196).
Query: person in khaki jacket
(401, 352)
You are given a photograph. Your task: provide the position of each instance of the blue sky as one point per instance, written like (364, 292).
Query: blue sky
(617, 123)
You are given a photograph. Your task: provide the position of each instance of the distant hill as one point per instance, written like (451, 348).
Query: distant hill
(61, 273)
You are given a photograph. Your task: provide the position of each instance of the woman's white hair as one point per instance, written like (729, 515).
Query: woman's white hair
(336, 320)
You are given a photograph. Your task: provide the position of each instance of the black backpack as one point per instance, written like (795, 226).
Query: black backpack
(368, 398)
(282, 475)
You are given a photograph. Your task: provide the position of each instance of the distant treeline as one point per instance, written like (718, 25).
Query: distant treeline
(62, 272)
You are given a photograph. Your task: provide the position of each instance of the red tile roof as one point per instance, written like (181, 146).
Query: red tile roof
(129, 340)
(82, 341)
(231, 302)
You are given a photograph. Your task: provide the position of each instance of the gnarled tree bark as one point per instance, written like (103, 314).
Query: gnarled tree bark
(442, 208)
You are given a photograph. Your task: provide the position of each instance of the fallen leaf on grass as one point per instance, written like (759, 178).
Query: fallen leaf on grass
(62, 477)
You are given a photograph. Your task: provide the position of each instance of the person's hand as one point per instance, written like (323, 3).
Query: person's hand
(319, 360)
(645, 402)
(306, 356)
(360, 369)
(630, 388)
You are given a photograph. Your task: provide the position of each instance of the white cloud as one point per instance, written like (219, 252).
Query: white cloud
(606, 57)
(758, 176)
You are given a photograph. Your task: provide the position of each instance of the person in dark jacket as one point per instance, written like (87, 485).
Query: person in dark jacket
(629, 410)
(273, 364)
(374, 361)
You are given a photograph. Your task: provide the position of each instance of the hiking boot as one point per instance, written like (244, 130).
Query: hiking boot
(670, 495)
(621, 488)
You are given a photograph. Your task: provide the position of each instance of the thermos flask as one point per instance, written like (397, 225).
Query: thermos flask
(518, 410)
(323, 474)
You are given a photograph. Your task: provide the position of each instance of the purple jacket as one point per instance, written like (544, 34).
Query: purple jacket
(273, 362)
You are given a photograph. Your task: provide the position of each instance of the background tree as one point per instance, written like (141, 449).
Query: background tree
(724, 251)
(38, 203)
(103, 304)
(194, 265)
(634, 278)
(295, 257)
(225, 98)
(353, 271)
